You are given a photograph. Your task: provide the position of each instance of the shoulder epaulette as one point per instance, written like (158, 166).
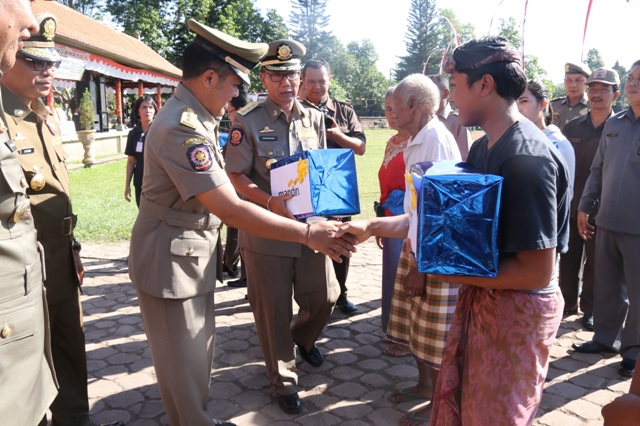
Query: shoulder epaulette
(557, 99)
(248, 108)
(189, 118)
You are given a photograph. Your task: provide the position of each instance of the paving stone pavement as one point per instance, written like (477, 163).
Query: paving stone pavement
(349, 389)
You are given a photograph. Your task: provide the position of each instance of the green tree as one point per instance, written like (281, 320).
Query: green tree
(418, 40)
(369, 84)
(146, 20)
(621, 103)
(86, 7)
(429, 36)
(307, 20)
(594, 60)
(508, 28)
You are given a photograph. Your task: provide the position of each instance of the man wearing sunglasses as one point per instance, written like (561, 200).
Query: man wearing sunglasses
(39, 147)
(263, 133)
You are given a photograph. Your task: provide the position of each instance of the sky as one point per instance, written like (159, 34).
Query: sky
(553, 28)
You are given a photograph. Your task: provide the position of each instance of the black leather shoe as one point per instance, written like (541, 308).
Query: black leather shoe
(627, 367)
(587, 322)
(232, 272)
(242, 282)
(345, 306)
(290, 404)
(591, 347)
(217, 422)
(313, 357)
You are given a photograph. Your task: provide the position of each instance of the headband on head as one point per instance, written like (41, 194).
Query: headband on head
(475, 56)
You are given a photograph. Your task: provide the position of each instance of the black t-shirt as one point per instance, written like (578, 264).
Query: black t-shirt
(535, 201)
(135, 148)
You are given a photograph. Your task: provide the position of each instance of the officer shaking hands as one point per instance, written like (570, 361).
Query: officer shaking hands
(185, 196)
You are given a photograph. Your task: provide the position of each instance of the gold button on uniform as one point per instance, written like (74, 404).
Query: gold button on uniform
(23, 182)
(6, 331)
(190, 252)
(269, 162)
(38, 182)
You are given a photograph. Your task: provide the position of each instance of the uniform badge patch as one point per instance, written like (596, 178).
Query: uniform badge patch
(199, 157)
(236, 137)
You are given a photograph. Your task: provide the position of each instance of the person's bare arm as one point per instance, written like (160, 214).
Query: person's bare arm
(131, 161)
(389, 226)
(625, 409)
(225, 204)
(526, 270)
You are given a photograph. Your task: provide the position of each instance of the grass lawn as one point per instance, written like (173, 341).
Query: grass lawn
(104, 215)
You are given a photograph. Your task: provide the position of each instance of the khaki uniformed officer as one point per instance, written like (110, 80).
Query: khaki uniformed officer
(27, 381)
(185, 195)
(41, 156)
(263, 133)
(575, 104)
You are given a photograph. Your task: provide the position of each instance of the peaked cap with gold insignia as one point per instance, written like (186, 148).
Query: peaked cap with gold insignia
(284, 55)
(40, 45)
(242, 56)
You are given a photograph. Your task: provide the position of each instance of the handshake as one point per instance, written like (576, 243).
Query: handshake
(337, 239)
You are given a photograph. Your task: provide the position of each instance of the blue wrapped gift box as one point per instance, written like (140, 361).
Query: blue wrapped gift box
(457, 213)
(323, 182)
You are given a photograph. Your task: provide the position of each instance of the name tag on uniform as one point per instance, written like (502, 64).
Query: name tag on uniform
(139, 146)
(28, 150)
(268, 138)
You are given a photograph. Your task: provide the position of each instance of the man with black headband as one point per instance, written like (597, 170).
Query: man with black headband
(518, 312)
(497, 351)
(185, 196)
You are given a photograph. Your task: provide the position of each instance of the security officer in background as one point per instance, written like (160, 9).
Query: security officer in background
(343, 131)
(27, 380)
(185, 196)
(263, 133)
(39, 147)
(584, 133)
(575, 104)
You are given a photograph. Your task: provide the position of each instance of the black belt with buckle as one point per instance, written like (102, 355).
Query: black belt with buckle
(63, 228)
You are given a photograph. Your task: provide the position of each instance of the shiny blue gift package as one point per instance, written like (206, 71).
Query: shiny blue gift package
(457, 219)
(332, 180)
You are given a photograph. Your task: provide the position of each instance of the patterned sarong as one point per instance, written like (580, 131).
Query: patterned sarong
(431, 317)
(496, 357)
(399, 327)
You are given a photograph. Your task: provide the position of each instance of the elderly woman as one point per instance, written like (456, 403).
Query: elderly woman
(391, 178)
(143, 112)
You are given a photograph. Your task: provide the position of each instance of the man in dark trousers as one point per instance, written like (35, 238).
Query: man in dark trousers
(615, 181)
(343, 131)
(603, 88)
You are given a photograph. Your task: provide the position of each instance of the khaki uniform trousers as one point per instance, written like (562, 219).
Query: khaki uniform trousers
(271, 283)
(181, 334)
